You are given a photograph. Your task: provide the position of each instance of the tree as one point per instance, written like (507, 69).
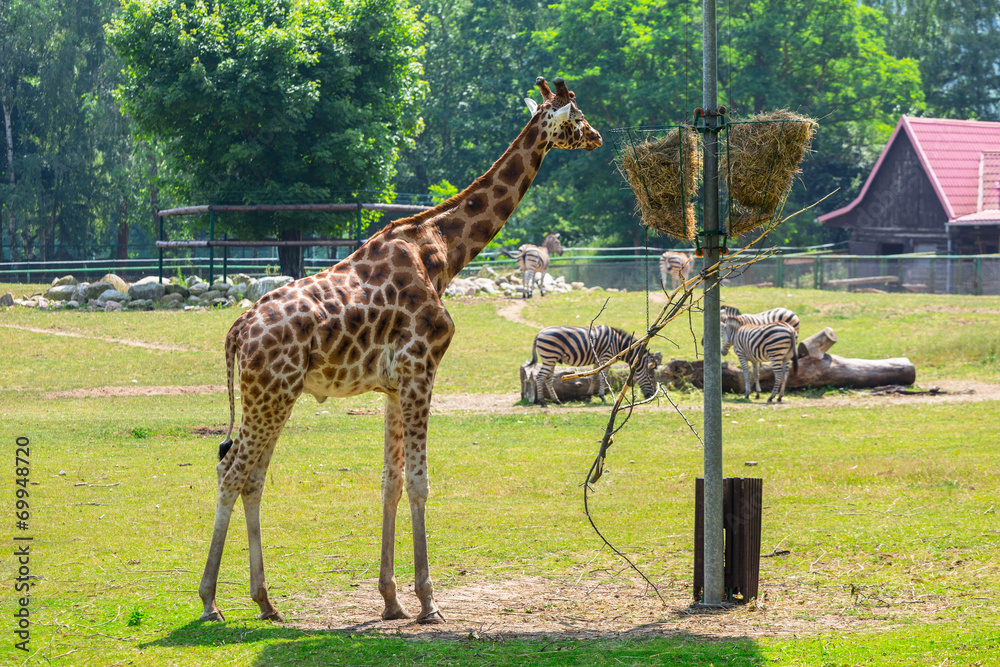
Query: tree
(957, 43)
(286, 101)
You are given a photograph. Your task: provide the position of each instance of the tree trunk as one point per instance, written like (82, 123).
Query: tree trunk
(816, 345)
(817, 368)
(9, 134)
(290, 257)
(122, 250)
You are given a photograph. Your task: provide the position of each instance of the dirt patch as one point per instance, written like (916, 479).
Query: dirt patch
(510, 309)
(608, 604)
(208, 430)
(127, 391)
(120, 341)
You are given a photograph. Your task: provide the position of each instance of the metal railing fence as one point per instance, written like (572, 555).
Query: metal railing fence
(619, 268)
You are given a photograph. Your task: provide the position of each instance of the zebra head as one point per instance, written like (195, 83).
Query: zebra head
(729, 327)
(552, 243)
(645, 372)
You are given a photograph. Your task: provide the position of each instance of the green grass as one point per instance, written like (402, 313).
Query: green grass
(888, 513)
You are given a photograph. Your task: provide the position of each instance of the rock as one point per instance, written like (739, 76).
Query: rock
(65, 280)
(147, 291)
(60, 292)
(116, 282)
(222, 302)
(211, 294)
(28, 303)
(112, 306)
(95, 290)
(265, 285)
(178, 289)
(152, 279)
(72, 304)
(577, 285)
(42, 303)
(175, 297)
(244, 304)
(242, 279)
(237, 291)
(192, 280)
(80, 295)
(193, 301)
(485, 285)
(112, 295)
(197, 289)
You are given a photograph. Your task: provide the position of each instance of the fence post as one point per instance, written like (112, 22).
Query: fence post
(211, 248)
(958, 276)
(225, 259)
(930, 279)
(817, 264)
(779, 273)
(159, 219)
(977, 287)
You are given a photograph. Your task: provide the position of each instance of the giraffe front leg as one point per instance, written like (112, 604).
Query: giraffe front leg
(392, 491)
(210, 577)
(252, 493)
(416, 405)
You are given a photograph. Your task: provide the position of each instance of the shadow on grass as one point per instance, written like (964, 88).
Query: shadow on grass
(364, 644)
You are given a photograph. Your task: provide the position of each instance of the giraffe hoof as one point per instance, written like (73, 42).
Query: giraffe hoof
(433, 618)
(214, 615)
(395, 614)
(272, 615)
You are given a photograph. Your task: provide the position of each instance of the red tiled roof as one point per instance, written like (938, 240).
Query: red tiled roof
(988, 217)
(950, 152)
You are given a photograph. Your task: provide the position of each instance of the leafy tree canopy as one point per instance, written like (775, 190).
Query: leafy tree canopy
(282, 101)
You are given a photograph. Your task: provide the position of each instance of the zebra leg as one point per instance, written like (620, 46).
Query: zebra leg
(745, 367)
(541, 284)
(542, 383)
(784, 380)
(756, 377)
(779, 380)
(528, 277)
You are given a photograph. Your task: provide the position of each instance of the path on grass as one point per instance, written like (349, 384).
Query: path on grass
(122, 341)
(953, 391)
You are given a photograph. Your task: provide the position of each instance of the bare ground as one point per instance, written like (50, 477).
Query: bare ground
(122, 341)
(507, 403)
(608, 604)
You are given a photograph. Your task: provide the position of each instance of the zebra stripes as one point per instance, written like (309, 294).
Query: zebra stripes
(774, 342)
(532, 259)
(580, 346)
(677, 265)
(774, 315)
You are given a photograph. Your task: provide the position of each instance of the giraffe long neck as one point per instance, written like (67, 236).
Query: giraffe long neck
(455, 232)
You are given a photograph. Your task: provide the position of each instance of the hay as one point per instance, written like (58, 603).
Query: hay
(664, 174)
(761, 159)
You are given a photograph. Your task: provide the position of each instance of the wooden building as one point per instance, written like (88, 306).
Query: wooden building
(935, 188)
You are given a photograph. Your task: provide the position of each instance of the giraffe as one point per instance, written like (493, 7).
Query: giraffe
(373, 322)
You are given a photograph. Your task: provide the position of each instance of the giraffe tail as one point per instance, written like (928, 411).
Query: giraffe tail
(231, 345)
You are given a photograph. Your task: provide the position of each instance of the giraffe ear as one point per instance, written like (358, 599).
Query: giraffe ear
(562, 113)
(532, 105)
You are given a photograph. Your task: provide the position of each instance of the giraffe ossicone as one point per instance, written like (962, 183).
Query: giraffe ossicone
(373, 322)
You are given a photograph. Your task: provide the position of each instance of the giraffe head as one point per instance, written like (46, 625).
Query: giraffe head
(562, 120)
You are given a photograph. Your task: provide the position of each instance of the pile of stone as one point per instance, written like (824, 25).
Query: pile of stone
(490, 283)
(111, 293)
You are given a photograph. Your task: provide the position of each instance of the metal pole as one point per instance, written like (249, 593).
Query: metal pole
(159, 219)
(714, 576)
(211, 249)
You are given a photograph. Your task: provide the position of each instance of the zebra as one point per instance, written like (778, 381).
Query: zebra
(532, 259)
(766, 317)
(572, 346)
(677, 265)
(755, 343)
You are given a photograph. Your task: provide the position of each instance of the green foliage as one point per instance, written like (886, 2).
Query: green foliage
(293, 101)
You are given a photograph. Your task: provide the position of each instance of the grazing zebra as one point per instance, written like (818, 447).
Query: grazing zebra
(766, 317)
(677, 265)
(532, 259)
(755, 343)
(572, 346)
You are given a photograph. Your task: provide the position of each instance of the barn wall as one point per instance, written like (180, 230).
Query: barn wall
(900, 210)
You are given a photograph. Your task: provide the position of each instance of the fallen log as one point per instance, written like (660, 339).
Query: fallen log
(817, 368)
